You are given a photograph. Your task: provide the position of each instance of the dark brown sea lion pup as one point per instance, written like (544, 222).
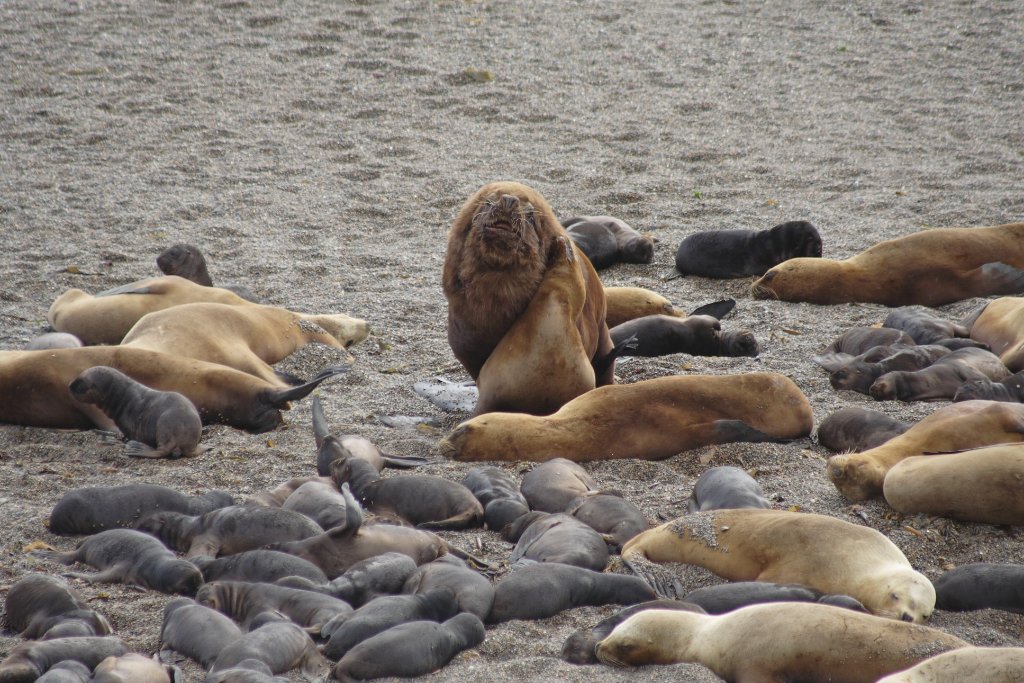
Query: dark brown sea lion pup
(243, 601)
(857, 373)
(773, 545)
(157, 424)
(858, 340)
(473, 591)
(196, 631)
(924, 327)
(726, 597)
(628, 303)
(973, 486)
(54, 340)
(794, 641)
(68, 671)
(1000, 325)
(1009, 390)
(607, 240)
(260, 565)
(185, 260)
(941, 379)
(498, 494)
(334, 447)
(105, 318)
(276, 642)
(132, 557)
(542, 590)
(726, 487)
(222, 395)
(929, 268)
(544, 537)
(739, 253)
(410, 649)
(581, 646)
(853, 429)
(616, 519)
(982, 585)
(652, 419)
(553, 485)
(989, 664)
(320, 501)
(383, 574)
(98, 508)
(29, 660)
(697, 335)
(45, 607)
(971, 424)
(134, 668)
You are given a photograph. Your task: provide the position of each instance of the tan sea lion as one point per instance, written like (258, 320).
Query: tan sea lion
(778, 642)
(628, 303)
(818, 551)
(133, 668)
(979, 485)
(930, 268)
(988, 664)
(54, 340)
(971, 424)
(1001, 325)
(652, 419)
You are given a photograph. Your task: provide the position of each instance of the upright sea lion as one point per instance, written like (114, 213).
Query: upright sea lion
(628, 303)
(697, 335)
(581, 646)
(409, 650)
(941, 379)
(498, 494)
(739, 253)
(196, 631)
(133, 668)
(726, 597)
(185, 260)
(607, 240)
(54, 340)
(156, 423)
(653, 419)
(613, 517)
(542, 590)
(854, 374)
(858, 340)
(132, 557)
(247, 338)
(1009, 390)
(278, 643)
(989, 664)
(221, 394)
(979, 485)
(777, 642)
(924, 327)
(243, 601)
(553, 485)
(726, 487)
(818, 551)
(982, 585)
(105, 318)
(853, 429)
(497, 257)
(544, 537)
(473, 591)
(98, 508)
(259, 566)
(29, 660)
(44, 607)
(1000, 325)
(971, 424)
(930, 268)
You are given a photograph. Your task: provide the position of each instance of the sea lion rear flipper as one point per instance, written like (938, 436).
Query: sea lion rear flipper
(996, 278)
(717, 309)
(624, 347)
(404, 462)
(280, 398)
(728, 431)
(137, 449)
(289, 378)
(130, 288)
(832, 360)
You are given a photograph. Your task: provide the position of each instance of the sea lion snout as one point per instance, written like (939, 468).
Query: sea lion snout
(509, 203)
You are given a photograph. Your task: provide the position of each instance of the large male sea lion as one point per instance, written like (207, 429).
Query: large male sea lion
(930, 268)
(652, 419)
(1000, 324)
(738, 253)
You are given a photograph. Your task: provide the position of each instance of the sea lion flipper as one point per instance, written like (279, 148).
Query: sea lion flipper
(624, 347)
(728, 431)
(137, 449)
(320, 430)
(404, 462)
(832, 360)
(130, 288)
(996, 278)
(717, 309)
(281, 397)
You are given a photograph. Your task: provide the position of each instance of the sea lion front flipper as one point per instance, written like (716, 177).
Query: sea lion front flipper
(113, 574)
(403, 462)
(728, 431)
(137, 449)
(625, 347)
(717, 309)
(995, 278)
(972, 317)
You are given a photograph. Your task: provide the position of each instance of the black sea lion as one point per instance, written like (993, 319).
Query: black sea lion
(320, 501)
(982, 585)
(726, 597)
(929, 268)
(697, 335)
(259, 565)
(542, 590)
(98, 508)
(544, 537)
(276, 642)
(551, 486)
(473, 591)
(989, 664)
(157, 424)
(185, 260)
(739, 253)
(498, 494)
(29, 660)
(941, 379)
(243, 601)
(44, 607)
(68, 671)
(924, 327)
(778, 642)
(581, 646)
(854, 429)
(410, 649)
(383, 574)
(132, 557)
(613, 517)
(607, 240)
(675, 414)
(196, 631)
(726, 487)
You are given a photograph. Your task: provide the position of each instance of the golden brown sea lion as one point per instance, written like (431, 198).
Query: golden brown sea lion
(652, 419)
(971, 424)
(629, 303)
(818, 551)
(988, 664)
(930, 268)
(1001, 326)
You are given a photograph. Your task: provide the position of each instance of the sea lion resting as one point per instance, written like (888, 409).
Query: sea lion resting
(930, 268)
(39, 606)
(553, 485)
(652, 419)
(185, 260)
(854, 429)
(988, 664)
(607, 240)
(981, 585)
(29, 660)
(629, 303)
(941, 379)
(1009, 389)
(738, 253)
(1000, 325)
(924, 327)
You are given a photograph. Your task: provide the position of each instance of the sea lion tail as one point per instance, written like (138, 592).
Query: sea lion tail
(281, 397)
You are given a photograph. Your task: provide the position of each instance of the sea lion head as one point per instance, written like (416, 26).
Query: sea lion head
(796, 239)
(798, 279)
(647, 637)
(854, 377)
(909, 596)
(94, 384)
(184, 260)
(888, 387)
(855, 477)
(180, 577)
(982, 390)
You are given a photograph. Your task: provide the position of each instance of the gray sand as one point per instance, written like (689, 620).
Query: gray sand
(318, 151)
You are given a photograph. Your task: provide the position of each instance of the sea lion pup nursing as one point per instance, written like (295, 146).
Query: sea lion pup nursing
(988, 664)
(1000, 325)
(930, 268)
(652, 419)
(777, 642)
(817, 551)
(738, 253)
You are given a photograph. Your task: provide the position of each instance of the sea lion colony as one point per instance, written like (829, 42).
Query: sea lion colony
(375, 586)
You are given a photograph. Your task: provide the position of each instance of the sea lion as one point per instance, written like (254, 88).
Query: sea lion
(276, 642)
(628, 303)
(473, 591)
(54, 340)
(697, 335)
(259, 566)
(553, 485)
(409, 650)
(726, 487)
(853, 429)
(652, 419)
(542, 590)
(824, 553)
(196, 631)
(380, 614)
(547, 356)
(726, 597)
(978, 485)
(1009, 390)
(98, 508)
(245, 671)
(320, 501)
(222, 395)
(29, 660)
(776, 642)
(854, 374)
(924, 327)
(581, 646)
(544, 537)
(929, 268)
(1000, 325)
(244, 601)
(334, 447)
(277, 496)
(247, 338)
(134, 668)
(383, 574)
(858, 340)
(105, 318)
(132, 557)
(228, 530)
(971, 424)
(613, 517)
(68, 671)
(185, 260)
(423, 500)
(989, 664)
(982, 585)
(941, 379)
(45, 607)
(497, 256)
(498, 494)
(739, 253)
(157, 424)
(607, 240)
